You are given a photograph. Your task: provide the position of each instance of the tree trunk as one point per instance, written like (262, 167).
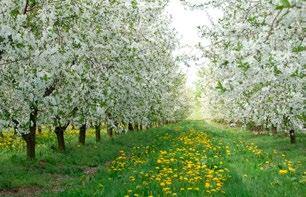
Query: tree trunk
(49, 128)
(30, 143)
(292, 136)
(141, 127)
(136, 127)
(39, 130)
(98, 132)
(274, 130)
(130, 126)
(109, 127)
(16, 123)
(59, 131)
(30, 137)
(109, 131)
(82, 134)
(116, 127)
(15, 133)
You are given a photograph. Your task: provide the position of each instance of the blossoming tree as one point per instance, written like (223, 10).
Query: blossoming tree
(86, 62)
(256, 63)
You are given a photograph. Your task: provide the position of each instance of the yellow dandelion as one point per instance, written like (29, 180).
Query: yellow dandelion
(283, 172)
(291, 169)
(207, 184)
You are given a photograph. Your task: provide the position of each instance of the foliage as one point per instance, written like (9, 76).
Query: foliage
(86, 62)
(256, 63)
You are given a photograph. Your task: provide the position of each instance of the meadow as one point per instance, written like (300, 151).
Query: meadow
(192, 158)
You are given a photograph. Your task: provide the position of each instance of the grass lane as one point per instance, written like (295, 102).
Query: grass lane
(191, 158)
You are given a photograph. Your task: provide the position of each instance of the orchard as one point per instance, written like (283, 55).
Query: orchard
(86, 63)
(94, 99)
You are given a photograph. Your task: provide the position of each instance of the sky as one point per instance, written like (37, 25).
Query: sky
(185, 21)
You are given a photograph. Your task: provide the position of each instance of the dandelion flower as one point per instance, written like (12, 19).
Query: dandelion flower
(283, 172)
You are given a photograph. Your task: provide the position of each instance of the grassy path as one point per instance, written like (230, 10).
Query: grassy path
(192, 158)
(179, 161)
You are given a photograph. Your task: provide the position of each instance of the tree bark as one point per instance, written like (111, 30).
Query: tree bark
(82, 134)
(130, 126)
(49, 128)
(116, 123)
(292, 136)
(15, 133)
(16, 123)
(30, 137)
(135, 127)
(39, 130)
(59, 131)
(110, 131)
(98, 132)
(274, 130)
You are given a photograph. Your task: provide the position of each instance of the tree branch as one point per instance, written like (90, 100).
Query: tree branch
(50, 89)
(272, 25)
(26, 7)
(14, 61)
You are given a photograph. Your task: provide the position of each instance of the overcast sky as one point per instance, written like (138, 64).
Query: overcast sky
(185, 21)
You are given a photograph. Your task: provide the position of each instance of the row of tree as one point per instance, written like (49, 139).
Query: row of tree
(255, 72)
(86, 63)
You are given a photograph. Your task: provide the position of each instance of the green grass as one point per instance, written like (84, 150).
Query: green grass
(254, 163)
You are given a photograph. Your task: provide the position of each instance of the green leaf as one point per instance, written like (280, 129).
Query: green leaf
(15, 12)
(243, 65)
(134, 4)
(220, 87)
(283, 4)
(299, 48)
(279, 7)
(286, 3)
(276, 70)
